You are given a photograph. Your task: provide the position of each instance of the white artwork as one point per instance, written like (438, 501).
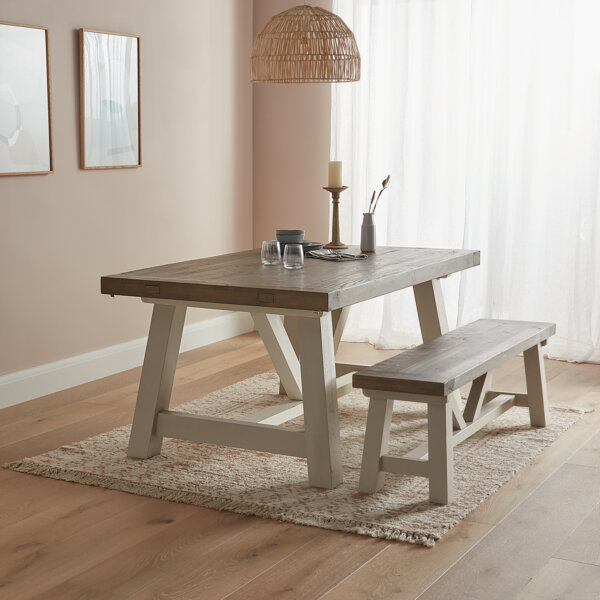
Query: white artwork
(110, 134)
(24, 101)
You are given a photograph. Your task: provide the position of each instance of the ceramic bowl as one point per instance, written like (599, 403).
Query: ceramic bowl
(289, 236)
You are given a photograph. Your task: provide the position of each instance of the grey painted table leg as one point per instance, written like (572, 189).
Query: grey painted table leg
(156, 383)
(433, 322)
(319, 390)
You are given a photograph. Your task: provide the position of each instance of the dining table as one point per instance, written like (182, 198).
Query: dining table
(300, 315)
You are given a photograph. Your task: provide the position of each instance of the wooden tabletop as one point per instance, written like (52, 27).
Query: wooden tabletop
(241, 279)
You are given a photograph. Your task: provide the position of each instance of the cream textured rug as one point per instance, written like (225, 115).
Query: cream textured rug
(273, 486)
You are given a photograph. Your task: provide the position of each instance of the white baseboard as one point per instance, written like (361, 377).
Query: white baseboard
(55, 376)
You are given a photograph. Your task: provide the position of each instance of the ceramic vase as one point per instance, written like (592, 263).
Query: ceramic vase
(367, 233)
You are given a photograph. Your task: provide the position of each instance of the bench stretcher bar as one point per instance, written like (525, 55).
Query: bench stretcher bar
(415, 462)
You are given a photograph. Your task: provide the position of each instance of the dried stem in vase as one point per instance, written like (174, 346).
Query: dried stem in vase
(384, 185)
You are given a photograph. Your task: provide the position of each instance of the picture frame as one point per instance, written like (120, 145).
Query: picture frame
(110, 107)
(25, 100)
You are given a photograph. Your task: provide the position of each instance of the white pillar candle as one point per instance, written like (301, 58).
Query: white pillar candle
(334, 172)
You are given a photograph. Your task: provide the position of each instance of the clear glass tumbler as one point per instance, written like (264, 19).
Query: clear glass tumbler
(293, 256)
(270, 253)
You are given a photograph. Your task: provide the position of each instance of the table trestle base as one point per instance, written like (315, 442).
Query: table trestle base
(281, 351)
(276, 414)
(231, 432)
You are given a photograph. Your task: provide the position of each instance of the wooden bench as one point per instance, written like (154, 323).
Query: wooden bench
(432, 373)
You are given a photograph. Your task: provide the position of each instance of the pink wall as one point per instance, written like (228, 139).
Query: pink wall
(192, 198)
(291, 136)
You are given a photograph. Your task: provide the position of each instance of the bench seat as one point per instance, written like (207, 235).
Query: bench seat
(432, 373)
(454, 359)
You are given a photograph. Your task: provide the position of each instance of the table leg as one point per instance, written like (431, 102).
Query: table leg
(535, 376)
(338, 318)
(156, 383)
(434, 322)
(321, 425)
(281, 351)
(291, 327)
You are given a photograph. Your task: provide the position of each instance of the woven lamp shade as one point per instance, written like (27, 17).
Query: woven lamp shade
(305, 44)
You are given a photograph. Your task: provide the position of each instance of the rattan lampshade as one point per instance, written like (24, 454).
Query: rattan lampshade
(305, 44)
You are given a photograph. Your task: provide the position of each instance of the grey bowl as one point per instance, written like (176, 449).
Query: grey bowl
(290, 236)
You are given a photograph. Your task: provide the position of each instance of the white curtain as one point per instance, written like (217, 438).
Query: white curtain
(486, 113)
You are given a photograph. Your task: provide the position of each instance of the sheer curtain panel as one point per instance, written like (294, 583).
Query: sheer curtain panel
(486, 114)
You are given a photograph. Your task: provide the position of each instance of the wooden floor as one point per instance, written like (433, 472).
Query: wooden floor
(537, 538)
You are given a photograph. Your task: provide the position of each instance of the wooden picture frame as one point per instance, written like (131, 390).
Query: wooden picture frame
(111, 130)
(25, 87)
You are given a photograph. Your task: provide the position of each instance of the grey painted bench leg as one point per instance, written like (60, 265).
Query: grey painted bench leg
(535, 375)
(376, 442)
(439, 441)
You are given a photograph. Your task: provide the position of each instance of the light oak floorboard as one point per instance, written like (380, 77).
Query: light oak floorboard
(402, 571)
(75, 541)
(54, 560)
(61, 519)
(314, 569)
(37, 424)
(503, 562)
(66, 434)
(583, 545)
(143, 566)
(28, 495)
(231, 565)
(564, 580)
(590, 453)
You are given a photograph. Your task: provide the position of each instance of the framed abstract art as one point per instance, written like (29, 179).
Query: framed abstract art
(110, 100)
(25, 118)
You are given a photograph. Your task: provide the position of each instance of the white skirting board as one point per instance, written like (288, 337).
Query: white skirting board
(55, 376)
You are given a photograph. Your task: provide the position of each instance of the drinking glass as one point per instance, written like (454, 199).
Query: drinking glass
(293, 256)
(270, 253)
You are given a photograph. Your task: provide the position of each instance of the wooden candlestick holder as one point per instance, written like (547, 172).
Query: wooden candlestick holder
(335, 243)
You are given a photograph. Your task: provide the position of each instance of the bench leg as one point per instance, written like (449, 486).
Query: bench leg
(479, 389)
(439, 441)
(377, 435)
(535, 376)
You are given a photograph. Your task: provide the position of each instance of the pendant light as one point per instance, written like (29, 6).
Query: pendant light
(305, 44)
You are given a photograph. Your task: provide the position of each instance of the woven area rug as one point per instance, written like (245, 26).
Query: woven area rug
(275, 487)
